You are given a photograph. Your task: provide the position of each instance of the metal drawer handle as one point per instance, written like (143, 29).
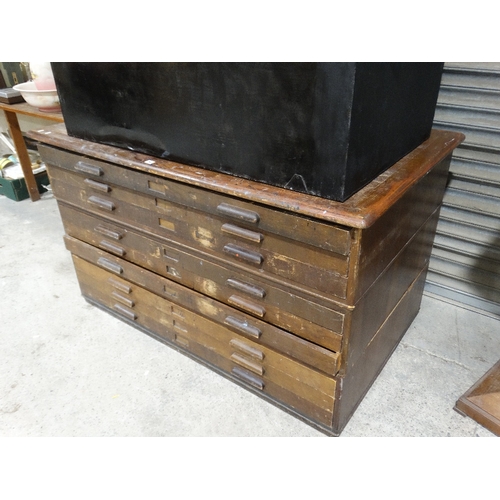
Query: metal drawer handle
(100, 203)
(243, 326)
(110, 233)
(247, 306)
(242, 233)
(88, 169)
(247, 363)
(109, 265)
(124, 300)
(238, 213)
(248, 377)
(243, 254)
(120, 286)
(247, 349)
(125, 312)
(98, 185)
(114, 249)
(242, 286)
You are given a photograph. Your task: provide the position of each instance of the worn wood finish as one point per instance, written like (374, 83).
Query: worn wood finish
(309, 390)
(257, 330)
(299, 299)
(294, 261)
(361, 210)
(320, 323)
(11, 111)
(371, 360)
(23, 156)
(23, 108)
(398, 225)
(482, 401)
(255, 217)
(384, 295)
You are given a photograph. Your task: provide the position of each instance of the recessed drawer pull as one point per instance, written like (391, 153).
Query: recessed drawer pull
(247, 349)
(242, 233)
(256, 291)
(243, 254)
(170, 293)
(181, 340)
(119, 286)
(247, 306)
(238, 213)
(124, 300)
(100, 203)
(243, 326)
(114, 235)
(248, 377)
(125, 312)
(247, 363)
(114, 249)
(97, 185)
(179, 326)
(109, 265)
(88, 169)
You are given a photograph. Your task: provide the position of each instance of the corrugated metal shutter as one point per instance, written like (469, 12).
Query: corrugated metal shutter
(465, 262)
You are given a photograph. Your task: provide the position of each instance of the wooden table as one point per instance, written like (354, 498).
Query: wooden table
(11, 111)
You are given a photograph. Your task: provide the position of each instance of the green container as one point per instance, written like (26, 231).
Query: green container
(16, 189)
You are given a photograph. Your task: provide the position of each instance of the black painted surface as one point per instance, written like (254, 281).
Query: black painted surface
(326, 129)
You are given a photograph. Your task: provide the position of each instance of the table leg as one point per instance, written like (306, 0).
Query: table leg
(22, 154)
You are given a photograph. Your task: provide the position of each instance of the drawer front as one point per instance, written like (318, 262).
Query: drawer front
(329, 237)
(248, 294)
(217, 235)
(297, 386)
(252, 328)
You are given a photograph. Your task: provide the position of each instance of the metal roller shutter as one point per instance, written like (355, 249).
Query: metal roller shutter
(465, 262)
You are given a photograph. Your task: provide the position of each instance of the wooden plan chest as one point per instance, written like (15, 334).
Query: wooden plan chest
(297, 298)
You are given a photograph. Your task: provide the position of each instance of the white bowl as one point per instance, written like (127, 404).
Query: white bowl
(44, 100)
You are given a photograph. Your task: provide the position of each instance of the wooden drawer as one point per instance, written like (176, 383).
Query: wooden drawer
(299, 387)
(331, 237)
(263, 333)
(247, 292)
(219, 233)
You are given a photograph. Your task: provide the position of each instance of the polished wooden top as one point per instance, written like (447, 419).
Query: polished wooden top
(361, 210)
(23, 108)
